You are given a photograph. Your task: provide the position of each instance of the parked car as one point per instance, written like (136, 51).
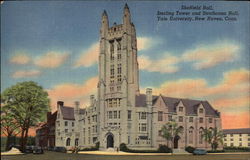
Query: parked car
(37, 150)
(200, 152)
(29, 149)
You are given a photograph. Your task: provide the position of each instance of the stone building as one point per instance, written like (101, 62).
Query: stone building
(121, 114)
(237, 137)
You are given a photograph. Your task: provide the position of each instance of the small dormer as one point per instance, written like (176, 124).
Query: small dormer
(201, 110)
(160, 104)
(180, 108)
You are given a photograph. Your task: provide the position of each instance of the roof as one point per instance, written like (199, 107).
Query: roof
(237, 131)
(68, 112)
(190, 104)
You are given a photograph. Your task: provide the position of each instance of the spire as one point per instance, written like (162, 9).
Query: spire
(126, 15)
(104, 23)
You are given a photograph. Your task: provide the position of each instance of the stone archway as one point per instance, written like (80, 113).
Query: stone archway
(110, 141)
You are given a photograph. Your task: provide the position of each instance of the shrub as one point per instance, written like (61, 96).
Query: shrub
(189, 149)
(164, 149)
(124, 148)
(217, 151)
(97, 145)
(237, 149)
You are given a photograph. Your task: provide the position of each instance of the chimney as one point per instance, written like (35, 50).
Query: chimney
(48, 116)
(92, 99)
(77, 104)
(59, 104)
(149, 97)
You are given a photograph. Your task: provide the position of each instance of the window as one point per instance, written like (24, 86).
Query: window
(66, 123)
(201, 110)
(66, 130)
(110, 102)
(119, 102)
(231, 139)
(248, 144)
(143, 115)
(240, 139)
(201, 120)
(231, 144)
(191, 135)
(170, 118)
(118, 88)
(110, 114)
(73, 124)
(200, 136)
(119, 78)
(114, 102)
(240, 135)
(191, 119)
(119, 68)
(111, 89)
(119, 44)
(248, 139)
(129, 125)
(128, 139)
(76, 141)
(160, 114)
(112, 50)
(225, 139)
(159, 133)
(129, 115)
(112, 72)
(180, 109)
(68, 142)
(240, 144)
(89, 120)
(180, 119)
(231, 135)
(119, 114)
(210, 120)
(143, 127)
(115, 114)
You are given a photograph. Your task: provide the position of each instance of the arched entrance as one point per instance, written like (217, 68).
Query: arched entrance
(176, 139)
(110, 141)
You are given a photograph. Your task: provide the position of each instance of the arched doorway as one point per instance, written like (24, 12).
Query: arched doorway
(176, 139)
(110, 141)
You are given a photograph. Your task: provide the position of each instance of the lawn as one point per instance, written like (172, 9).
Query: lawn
(64, 156)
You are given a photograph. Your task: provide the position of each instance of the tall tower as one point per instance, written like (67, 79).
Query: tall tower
(118, 77)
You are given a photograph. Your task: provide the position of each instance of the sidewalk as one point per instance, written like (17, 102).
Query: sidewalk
(13, 151)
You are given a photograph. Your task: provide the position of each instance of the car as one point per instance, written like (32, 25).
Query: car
(37, 150)
(29, 149)
(200, 152)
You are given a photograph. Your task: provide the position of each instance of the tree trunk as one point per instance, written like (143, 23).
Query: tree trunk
(21, 139)
(7, 143)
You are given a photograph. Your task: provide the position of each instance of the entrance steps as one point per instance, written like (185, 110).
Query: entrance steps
(111, 150)
(180, 151)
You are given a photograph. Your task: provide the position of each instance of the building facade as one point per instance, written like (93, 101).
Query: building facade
(120, 113)
(45, 133)
(237, 137)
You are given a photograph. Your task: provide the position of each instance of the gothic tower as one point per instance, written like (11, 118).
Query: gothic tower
(118, 79)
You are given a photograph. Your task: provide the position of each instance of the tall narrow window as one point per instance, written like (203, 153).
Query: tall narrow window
(112, 73)
(143, 115)
(112, 50)
(129, 115)
(160, 114)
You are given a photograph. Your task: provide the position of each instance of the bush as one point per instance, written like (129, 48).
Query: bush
(189, 149)
(237, 149)
(97, 145)
(217, 151)
(124, 148)
(164, 149)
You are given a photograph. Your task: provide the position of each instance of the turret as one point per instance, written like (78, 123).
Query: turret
(126, 16)
(105, 24)
(149, 97)
(77, 104)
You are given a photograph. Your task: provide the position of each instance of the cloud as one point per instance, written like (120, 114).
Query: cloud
(20, 59)
(23, 74)
(144, 43)
(207, 56)
(167, 64)
(70, 92)
(88, 57)
(51, 59)
(231, 94)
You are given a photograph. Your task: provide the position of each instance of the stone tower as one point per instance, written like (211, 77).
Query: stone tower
(118, 79)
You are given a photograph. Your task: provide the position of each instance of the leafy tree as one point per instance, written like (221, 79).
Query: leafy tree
(171, 130)
(27, 103)
(9, 127)
(213, 136)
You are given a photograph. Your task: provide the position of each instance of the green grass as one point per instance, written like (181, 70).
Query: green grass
(65, 156)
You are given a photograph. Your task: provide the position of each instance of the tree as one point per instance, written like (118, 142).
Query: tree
(170, 131)
(213, 136)
(9, 127)
(27, 103)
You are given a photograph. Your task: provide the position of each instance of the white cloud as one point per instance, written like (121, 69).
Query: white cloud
(166, 64)
(207, 56)
(23, 73)
(89, 56)
(20, 58)
(51, 59)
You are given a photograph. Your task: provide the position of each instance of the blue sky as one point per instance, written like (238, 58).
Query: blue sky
(43, 42)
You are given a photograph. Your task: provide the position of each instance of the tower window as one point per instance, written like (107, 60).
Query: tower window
(118, 88)
(112, 50)
(129, 115)
(160, 114)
